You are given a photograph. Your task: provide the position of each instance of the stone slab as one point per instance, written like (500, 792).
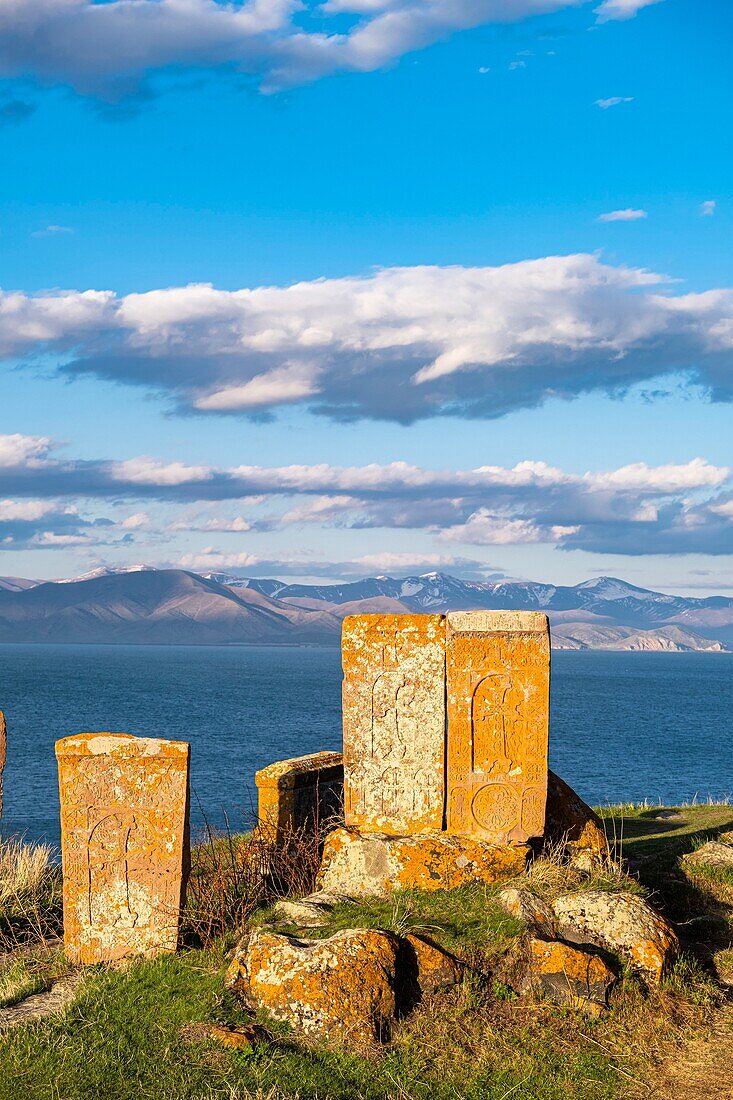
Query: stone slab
(394, 722)
(300, 795)
(498, 694)
(124, 843)
(359, 865)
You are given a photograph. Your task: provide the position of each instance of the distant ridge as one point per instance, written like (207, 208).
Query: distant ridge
(144, 605)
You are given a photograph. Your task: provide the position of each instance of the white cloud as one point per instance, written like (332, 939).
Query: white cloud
(627, 215)
(621, 9)
(613, 101)
(235, 525)
(150, 471)
(53, 231)
(23, 450)
(398, 344)
(280, 386)
(27, 510)
(209, 558)
(637, 508)
(707, 208)
(109, 49)
(136, 522)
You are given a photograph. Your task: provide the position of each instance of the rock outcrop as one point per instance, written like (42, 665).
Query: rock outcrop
(359, 865)
(340, 988)
(569, 821)
(538, 915)
(567, 975)
(713, 854)
(349, 988)
(621, 923)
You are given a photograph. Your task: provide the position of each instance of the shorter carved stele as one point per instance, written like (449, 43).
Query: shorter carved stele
(124, 842)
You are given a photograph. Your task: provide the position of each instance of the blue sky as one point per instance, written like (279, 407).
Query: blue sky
(457, 214)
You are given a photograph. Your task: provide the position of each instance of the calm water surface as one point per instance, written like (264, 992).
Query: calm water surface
(624, 726)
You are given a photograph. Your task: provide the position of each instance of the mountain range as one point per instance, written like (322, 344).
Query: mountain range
(145, 605)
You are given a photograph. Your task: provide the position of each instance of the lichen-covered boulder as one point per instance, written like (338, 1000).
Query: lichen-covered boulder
(713, 854)
(622, 923)
(424, 969)
(567, 975)
(525, 906)
(374, 864)
(568, 820)
(340, 988)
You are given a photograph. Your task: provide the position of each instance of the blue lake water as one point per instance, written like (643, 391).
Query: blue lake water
(625, 726)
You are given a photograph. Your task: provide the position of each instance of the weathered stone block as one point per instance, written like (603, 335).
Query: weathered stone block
(394, 722)
(300, 795)
(124, 842)
(498, 691)
(423, 970)
(354, 864)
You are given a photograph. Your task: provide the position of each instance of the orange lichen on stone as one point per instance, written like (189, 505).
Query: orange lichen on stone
(124, 843)
(567, 975)
(622, 923)
(340, 988)
(394, 722)
(425, 969)
(3, 750)
(373, 864)
(498, 690)
(300, 795)
(570, 821)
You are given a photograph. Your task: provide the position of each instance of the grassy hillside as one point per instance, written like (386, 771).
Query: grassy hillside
(141, 1030)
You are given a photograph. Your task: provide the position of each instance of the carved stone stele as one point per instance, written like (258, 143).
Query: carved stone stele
(124, 843)
(498, 692)
(394, 722)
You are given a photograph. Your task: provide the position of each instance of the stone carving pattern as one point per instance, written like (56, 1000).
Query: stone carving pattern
(498, 703)
(394, 718)
(124, 847)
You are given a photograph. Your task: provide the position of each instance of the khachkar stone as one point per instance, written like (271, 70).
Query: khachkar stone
(394, 722)
(124, 843)
(498, 692)
(3, 749)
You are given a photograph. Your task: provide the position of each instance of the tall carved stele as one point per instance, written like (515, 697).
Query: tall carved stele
(498, 691)
(124, 842)
(394, 722)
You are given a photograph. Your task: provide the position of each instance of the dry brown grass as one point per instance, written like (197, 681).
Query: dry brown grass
(234, 875)
(30, 893)
(552, 874)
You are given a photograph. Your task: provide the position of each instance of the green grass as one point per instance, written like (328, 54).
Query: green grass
(122, 1040)
(460, 920)
(128, 1034)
